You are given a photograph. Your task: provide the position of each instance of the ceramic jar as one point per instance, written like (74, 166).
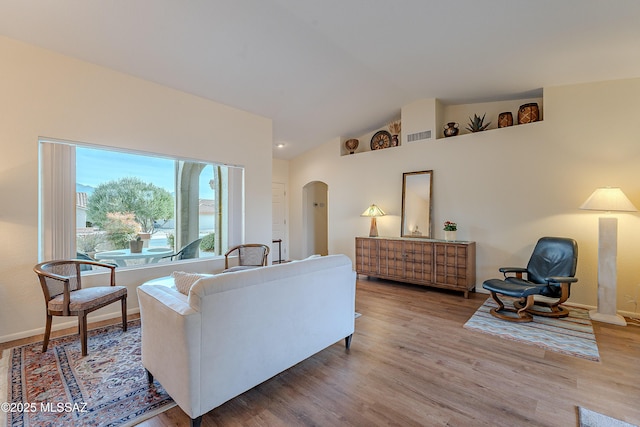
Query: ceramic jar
(451, 129)
(351, 145)
(505, 119)
(528, 113)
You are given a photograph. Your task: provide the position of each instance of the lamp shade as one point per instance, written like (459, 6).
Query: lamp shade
(609, 199)
(373, 211)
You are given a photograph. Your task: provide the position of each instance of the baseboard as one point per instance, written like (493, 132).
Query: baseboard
(72, 323)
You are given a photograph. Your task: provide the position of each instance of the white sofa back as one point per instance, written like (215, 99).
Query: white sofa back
(236, 330)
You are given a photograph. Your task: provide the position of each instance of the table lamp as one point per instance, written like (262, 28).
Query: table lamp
(608, 199)
(373, 211)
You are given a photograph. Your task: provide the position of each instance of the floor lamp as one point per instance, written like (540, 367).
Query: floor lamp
(373, 211)
(611, 200)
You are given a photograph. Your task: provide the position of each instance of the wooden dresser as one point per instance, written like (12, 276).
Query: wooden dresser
(429, 262)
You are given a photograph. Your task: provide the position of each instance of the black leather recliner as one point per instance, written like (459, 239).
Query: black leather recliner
(549, 275)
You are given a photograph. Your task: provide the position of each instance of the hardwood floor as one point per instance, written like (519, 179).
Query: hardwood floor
(411, 363)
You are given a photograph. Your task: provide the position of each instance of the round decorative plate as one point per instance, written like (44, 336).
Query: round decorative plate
(380, 139)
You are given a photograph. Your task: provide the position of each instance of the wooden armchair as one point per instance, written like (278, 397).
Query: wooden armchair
(64, 296)
(249, 255)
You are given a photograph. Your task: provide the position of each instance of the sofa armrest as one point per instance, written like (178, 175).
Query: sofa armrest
(171, 344)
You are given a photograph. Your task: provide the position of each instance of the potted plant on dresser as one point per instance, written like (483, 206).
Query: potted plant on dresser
(450, 231)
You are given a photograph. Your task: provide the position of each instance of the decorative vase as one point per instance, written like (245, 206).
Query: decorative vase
(528, 113)
(394, 141)
(352, 145)
(505, 119)
(450, 235)
(136, 246)
(451, 129)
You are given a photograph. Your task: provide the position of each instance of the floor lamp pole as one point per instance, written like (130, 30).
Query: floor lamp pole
(607, 273)
(608, 199)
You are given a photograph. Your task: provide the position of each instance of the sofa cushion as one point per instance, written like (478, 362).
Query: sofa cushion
(183, 280)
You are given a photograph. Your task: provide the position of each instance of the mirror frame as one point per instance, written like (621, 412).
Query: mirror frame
(408, 175)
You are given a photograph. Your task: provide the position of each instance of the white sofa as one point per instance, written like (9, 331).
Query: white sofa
(236, 330)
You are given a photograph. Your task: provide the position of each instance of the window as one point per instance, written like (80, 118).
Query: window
(134, 209)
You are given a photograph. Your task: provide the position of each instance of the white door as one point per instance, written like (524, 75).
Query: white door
(279, 227)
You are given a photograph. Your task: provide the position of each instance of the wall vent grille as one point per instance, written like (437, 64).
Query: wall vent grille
(419, 136)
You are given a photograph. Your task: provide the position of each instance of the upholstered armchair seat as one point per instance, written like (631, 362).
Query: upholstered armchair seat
(515, 289)
(87, 299)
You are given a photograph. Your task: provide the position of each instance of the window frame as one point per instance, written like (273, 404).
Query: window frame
(57, 228)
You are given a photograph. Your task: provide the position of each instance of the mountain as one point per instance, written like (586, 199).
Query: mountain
(81, 188)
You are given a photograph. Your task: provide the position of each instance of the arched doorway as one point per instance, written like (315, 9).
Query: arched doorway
(315, 218)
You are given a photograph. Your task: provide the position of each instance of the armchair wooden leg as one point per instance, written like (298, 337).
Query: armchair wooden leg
(523, 316)
(523, 312)
(82, 320)
(555, 309)
(498, 301)
(124, 313)
(47, 333)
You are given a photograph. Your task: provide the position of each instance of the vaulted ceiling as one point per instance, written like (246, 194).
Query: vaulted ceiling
(322, 69)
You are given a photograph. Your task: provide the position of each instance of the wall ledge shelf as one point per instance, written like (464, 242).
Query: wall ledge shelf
(432, 115)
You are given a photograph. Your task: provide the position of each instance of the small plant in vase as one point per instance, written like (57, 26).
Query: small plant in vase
(136, 245)
(477, 124)
(450, 229)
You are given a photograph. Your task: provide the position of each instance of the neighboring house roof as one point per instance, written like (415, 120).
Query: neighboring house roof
(81, 200)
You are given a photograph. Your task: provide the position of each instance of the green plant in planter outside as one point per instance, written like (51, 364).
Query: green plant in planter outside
(136, 245)
(208, 243)
(477, 124)
(171, 240)
(121, 228)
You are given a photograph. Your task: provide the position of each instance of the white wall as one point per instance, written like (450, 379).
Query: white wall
(505, 188)
(45, 94)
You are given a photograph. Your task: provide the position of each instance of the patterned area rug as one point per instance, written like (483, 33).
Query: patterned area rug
(590, 418)
(108, 387)
(572, 335)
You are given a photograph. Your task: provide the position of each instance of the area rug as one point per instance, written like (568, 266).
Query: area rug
(108, 387)
(589, 418)
(572, 335)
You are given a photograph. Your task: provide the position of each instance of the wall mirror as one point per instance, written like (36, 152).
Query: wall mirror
(416, 204)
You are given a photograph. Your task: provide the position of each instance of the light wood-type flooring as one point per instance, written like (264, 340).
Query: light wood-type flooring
(411, 363)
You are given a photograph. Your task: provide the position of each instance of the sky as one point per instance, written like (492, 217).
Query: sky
(95, 166)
